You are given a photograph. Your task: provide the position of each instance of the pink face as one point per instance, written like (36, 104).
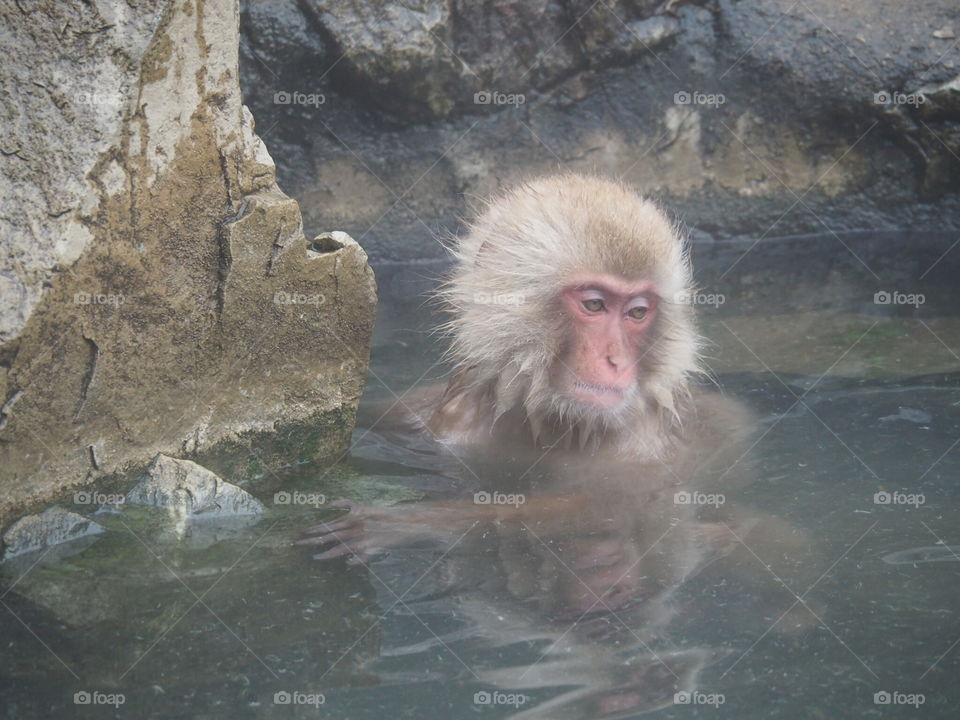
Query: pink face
(609, 318)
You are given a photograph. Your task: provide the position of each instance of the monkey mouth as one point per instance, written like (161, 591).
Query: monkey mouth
(607, 396)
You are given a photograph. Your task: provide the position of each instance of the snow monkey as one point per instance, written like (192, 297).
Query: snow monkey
(576, 394)
(573, 341)
(570, 323)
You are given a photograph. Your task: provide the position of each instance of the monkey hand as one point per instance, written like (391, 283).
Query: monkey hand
(369, 530)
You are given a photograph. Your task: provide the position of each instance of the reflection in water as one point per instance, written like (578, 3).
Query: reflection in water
(577, 558)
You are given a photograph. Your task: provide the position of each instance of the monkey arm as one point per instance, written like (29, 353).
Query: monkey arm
(368, 530)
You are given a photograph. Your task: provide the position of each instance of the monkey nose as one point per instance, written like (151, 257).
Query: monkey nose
(616, 358)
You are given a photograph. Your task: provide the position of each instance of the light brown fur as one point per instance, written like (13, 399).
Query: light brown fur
(507, 327)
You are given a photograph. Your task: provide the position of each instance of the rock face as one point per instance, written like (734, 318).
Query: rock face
(764, 118)
(190, 490)
(158, 293)
(53, 526)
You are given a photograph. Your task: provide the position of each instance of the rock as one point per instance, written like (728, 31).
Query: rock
(279, 40)
(187, 489)
(427, 59)
(395, 52)
(942, 99)
(715, 108)
(148, 256)
(53, 526)
(944, 33)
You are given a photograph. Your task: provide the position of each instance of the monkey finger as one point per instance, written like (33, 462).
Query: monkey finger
(321, 540)
(320, 536)
(336, 525)
(335, 552)
(355, 553)
(341, 536)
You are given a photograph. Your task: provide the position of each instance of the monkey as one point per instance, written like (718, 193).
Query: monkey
(569, 324)
(571, 331)
(571, 337)
(577, 385)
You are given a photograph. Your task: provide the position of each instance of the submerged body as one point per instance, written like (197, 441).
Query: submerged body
(574, 349)
(574, 393)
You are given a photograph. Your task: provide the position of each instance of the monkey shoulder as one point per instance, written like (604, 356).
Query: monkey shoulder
(718, 431)
(463, 414)
(712, 412)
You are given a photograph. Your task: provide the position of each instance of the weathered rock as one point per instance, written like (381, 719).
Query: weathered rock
(942, 99)
(750, 119)
(395, 52)
(187, 489)
(826, 63)
(53, 526)
(277, 36)
(426, 59)
(158, 292)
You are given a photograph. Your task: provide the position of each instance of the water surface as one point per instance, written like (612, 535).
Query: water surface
(829, 574)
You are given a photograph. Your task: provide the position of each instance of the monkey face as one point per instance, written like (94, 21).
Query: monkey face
(609, 320)
(565, 305)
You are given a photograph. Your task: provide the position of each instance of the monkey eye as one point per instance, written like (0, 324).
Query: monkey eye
(638, 308)
(593, 305)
